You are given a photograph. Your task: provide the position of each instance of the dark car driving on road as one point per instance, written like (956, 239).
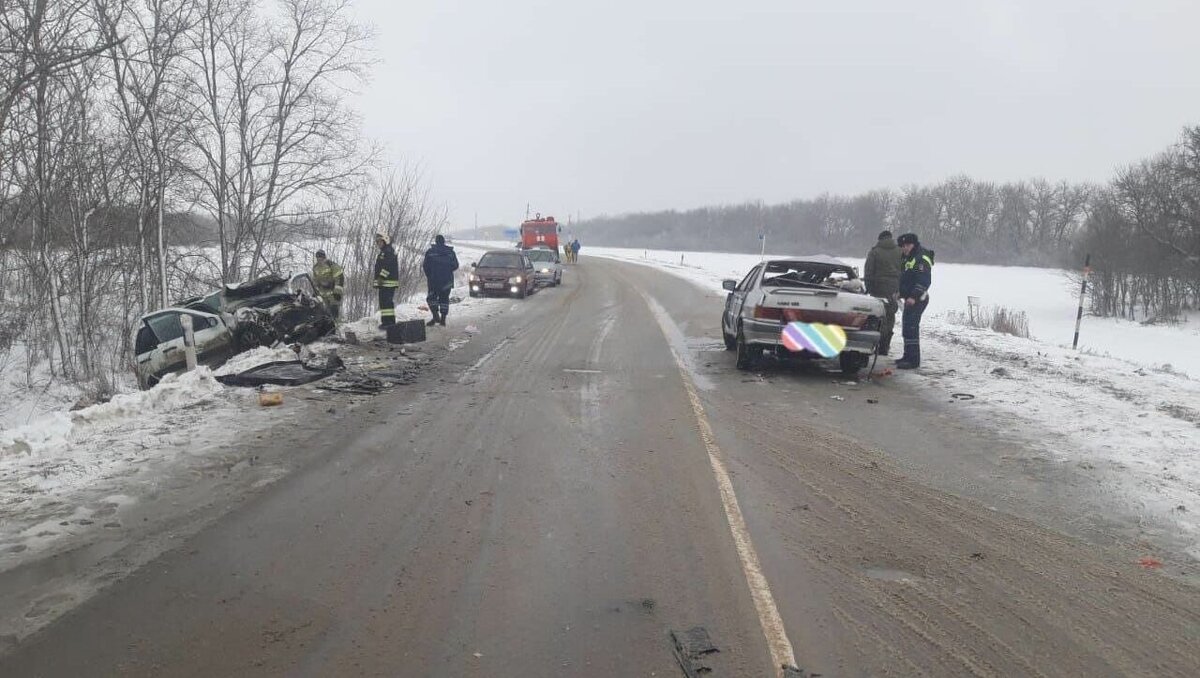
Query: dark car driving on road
(503, 272)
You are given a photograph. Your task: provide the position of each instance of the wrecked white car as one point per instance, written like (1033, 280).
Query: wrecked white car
(238, 317)
(815, 289)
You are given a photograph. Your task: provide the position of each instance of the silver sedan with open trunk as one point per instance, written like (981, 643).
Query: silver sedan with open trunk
(814, 289)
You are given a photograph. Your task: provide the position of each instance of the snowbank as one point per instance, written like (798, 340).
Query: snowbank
(59, 429)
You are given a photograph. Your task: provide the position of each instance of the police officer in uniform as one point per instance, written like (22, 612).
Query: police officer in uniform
(916, 275)
(386, 280)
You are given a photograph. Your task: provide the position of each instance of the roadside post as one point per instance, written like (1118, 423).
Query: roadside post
(189, 341)
(972, 304)
(763, 237)
(1087, 270)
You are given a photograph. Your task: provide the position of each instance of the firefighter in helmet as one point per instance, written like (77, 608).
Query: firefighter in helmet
(386, 279)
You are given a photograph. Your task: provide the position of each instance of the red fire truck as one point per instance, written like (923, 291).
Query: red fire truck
(540, 232)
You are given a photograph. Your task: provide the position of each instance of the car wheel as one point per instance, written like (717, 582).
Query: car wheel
(730, 341)
(852, 362)
(746, 354)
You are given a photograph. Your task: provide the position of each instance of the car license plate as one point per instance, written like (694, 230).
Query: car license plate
(494, 286)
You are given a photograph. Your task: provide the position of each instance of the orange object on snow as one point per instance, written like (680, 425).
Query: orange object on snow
(1150, 563)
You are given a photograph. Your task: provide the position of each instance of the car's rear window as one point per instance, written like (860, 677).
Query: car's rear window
(800, 273)
(540, 255)
(501, 260)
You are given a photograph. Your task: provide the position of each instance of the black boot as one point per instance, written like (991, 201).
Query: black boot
(434, 320)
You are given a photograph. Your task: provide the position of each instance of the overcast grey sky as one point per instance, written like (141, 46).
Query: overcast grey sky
(615, 105)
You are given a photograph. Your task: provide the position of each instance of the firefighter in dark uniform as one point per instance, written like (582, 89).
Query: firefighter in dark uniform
(439, 266)
(916, 275)
(386, 280)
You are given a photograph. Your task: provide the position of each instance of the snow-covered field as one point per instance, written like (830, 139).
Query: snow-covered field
(1125, 409)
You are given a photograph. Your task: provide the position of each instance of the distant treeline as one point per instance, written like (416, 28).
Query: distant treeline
(1142, 228)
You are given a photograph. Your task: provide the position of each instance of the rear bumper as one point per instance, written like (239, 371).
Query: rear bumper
(769, 334)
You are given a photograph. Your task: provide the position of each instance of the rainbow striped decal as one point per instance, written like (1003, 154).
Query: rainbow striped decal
(825, 340)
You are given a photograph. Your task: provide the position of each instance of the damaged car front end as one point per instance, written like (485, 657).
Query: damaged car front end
(261, 312)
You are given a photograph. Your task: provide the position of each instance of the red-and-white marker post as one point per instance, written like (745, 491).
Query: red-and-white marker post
(1087, 270)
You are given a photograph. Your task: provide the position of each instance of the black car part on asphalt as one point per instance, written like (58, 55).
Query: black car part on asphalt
(278, 373)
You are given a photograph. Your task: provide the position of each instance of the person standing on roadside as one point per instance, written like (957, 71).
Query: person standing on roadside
(881, 273)
(575, 251)
(331, 283)
(439, 266)
(916, 276)
(386, 280)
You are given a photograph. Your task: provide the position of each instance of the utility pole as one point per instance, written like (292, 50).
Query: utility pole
(477, 225)
(526, 211)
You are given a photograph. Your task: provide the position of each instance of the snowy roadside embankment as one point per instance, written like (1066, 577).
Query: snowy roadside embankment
(1126, 415)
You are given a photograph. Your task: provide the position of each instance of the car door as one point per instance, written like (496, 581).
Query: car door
(159, 347)
(214, 341)
(530, 275)
(159, 344)
(736, 300)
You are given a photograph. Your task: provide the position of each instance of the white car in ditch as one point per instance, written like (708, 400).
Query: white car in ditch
(227, 321)
(815, 289)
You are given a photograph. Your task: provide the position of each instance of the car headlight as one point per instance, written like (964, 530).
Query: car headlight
(545, 270)
(515, 279)
(473, 278)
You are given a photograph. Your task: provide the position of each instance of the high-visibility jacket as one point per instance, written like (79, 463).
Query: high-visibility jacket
(917, 274)
(330, 280)
(387, 268)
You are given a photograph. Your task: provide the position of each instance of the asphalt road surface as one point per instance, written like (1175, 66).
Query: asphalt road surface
(589, 474)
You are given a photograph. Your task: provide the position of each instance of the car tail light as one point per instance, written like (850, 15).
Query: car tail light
(852, 321)
(768, 313)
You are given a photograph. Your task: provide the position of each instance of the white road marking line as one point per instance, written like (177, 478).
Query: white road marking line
(486, 357)
(583, 371)
(782, 654)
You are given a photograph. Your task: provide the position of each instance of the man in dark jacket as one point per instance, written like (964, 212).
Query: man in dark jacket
(386, 280)
(882, 276)
(915, 278)
(439, 266)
